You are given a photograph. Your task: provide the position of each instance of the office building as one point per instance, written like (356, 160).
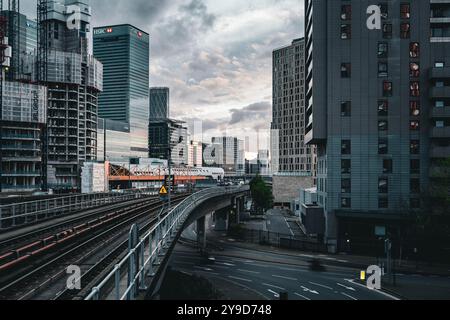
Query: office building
(289, 109)
(23, 121)
(169, 133)
(159, 103)
(113, 139)
(229, 154)
(195, 154)
(377, 108)
(124, 51)
(74, 80)
(31, 36)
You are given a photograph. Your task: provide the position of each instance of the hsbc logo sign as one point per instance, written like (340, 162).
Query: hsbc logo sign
(103, 31)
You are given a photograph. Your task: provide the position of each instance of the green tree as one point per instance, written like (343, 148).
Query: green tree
(261, 194)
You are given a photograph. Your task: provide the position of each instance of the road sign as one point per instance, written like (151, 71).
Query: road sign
(163, 191)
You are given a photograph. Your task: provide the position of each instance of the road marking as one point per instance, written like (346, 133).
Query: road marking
(241, 279)
(289, 227)
(226, 264)
(272, 286)
(321, 285)
(349, 296)
(285, 278)
(309, 290)
(348, 288)
(274, 293)
(248, 271)
(203, 268)
(302, 296)
(380, 292)
(294, 270)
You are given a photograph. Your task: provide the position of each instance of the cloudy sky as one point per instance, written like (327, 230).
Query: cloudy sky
(215, 55)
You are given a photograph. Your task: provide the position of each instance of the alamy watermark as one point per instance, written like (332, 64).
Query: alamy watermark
(74, 19)
(74, 277)
(372, 276)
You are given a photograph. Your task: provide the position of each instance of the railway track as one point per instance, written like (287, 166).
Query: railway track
(99, 241)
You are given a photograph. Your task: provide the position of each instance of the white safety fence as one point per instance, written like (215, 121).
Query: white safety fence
(142, 261)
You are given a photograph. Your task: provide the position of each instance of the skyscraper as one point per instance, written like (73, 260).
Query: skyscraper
(377, 109)
(124, 51)
(74, 80)
(159, 103)
(292, 155)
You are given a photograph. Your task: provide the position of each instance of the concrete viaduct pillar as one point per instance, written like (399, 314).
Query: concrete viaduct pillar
(221, 219)
(201, 233)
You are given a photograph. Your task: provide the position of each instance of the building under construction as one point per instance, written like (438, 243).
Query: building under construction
(74, 80)
(22, 109)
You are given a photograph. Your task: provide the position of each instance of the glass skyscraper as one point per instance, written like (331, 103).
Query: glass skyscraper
(124, 51)
(159, 103)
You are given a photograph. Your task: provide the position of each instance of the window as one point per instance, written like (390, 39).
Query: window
(405, 30)
(382, 146)
(382, 69)
(415, 203)
(346, 31)
(346, 70)
(346, 147)
(439, 104)
(440, 124)
(383, 107)
(387, 89)
(382, 50)
(414, 50)
(415, 146)
(346, 203)
(384, 10)
(439, 64)
(415, 166)
(383, 185)
(405, 11)
(387, 31)
(414, 89)
(415, 186)
(346, 109)
(346, 186)
(346, 12)
(346, 166)
(414, 107)
(387, 166)
(414, 125)
(383, 203)
(382, 125)
(414, 70)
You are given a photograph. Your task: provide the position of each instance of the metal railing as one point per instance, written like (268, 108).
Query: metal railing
(140, 262)
(20, 214)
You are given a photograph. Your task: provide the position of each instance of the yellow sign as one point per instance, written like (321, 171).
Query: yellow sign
(163, 191)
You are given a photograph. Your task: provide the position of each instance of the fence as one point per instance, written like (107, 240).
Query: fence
(141, 261)
(20, 214)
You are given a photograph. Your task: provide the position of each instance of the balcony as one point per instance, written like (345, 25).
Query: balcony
(441, 92)
(440, 152)
(21, 174)
(440, 73)
(440, 112)
(440, 132)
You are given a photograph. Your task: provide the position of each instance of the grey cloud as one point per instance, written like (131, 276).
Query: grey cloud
(258, 114)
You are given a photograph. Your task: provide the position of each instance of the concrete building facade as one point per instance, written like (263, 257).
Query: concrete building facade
(377, 108)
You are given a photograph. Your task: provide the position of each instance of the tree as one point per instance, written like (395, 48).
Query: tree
(261, 194)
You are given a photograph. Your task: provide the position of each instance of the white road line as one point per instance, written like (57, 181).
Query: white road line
(309, 290)
(240, 279)
(294, 270)
(285, 278)
(302, 296)
(321, 285)
(349, 296)
(226, 264)
(292, 233)
(378, 291)
(248, 271)
(272, 286)
(348, 288)
(203, 268)
(274, 293)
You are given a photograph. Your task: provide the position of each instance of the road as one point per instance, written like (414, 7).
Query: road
(268, 274)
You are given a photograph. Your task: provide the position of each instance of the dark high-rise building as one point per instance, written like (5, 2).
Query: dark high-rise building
(124, 51)
(378, 110)
(159, 103)
(290, 154)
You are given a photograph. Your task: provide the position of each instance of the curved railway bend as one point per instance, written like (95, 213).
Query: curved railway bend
(33, 265)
